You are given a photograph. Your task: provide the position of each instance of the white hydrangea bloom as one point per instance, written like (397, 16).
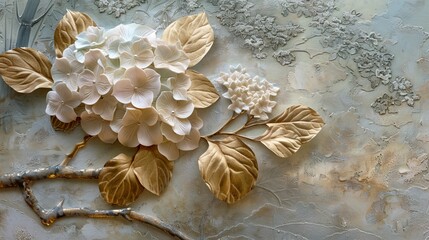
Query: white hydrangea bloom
(61, 102)
(138, 53)
(94, 125)
(171, 57)
(175, 112)
(140, 126)
(92, 37)
(138, 87)
(116, 76)
(248, 94)
(174, 142)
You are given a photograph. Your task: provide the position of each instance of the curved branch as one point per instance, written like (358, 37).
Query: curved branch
(15, 179)
(49, 216)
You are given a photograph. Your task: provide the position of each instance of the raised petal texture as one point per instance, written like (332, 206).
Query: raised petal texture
(91, 123)
(171, 57)
(169, 150)
(127, 135)
(149, 135)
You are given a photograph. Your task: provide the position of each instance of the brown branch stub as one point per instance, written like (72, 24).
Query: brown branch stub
(15, 179)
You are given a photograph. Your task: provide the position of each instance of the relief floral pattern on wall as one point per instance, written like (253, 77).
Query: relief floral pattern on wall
(125, 84)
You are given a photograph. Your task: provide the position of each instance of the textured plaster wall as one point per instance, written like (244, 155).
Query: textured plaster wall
(365, 176)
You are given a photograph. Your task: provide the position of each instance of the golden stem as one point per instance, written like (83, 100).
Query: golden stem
(75, 151)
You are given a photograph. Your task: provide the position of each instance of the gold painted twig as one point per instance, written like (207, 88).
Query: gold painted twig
(76, 149)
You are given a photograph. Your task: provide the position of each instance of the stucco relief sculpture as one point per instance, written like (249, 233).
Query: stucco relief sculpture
(126, 85)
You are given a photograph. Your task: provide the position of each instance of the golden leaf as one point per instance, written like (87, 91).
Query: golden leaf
(194, 33)
(68, 28)
(281, 141)
(202, 92)
(152, 169)
(25, 69)
(303, 121)
(57, 125)
(118, 183)
(229, 168)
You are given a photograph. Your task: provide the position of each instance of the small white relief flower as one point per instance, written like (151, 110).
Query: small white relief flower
(140, 126)
(173, 142)
(65, 71)
(94, 125)
(175, 112)
(91, 37)
(171, 57)
(138, 87)
(179, 85)
(138, 54)
(126, 34)
(105, 107)
(248, 94)
(93, 84)
(61, 103)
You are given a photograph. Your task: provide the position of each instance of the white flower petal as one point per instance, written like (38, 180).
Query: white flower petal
(196, 121)
(169, 150)
(149, 116)
(168, 132)
(103, 84)
(116, 123)
(132, 116)
(127, 60)
(181, 126)
(66, 114)
(149, 136)
(171, 57)
(107, 135)
(180, 94)
(123, 90)
(127, 135)
(86, 78)
(142, 99)
(91, 123)
(191, 141)
(184, 109)
(89, 94)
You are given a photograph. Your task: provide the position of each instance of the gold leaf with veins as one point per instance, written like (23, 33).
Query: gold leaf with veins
(152, 169)
(229, 168)
(303, 121)
(25, 69)
(57, 125)
(281, 141)
(194, 33)
(118, 183)
(68, 28)
(202, 92)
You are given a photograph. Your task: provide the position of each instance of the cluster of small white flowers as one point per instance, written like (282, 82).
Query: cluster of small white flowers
(248, 94)
(117, 75)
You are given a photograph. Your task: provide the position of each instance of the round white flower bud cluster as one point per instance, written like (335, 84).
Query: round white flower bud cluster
(132, 86)
(248, 94)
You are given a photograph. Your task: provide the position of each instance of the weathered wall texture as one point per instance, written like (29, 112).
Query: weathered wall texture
(363, 65)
